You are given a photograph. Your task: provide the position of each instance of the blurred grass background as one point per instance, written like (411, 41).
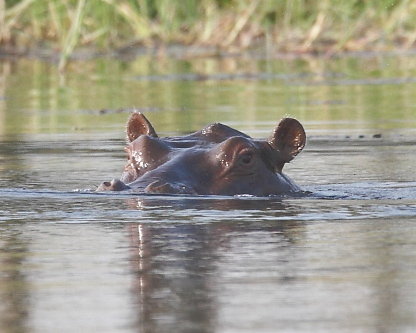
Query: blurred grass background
(378, 90)
(289, 25)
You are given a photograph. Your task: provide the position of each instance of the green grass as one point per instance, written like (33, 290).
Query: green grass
(286, 25)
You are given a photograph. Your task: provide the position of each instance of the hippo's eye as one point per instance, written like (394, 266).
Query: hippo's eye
(246, 158)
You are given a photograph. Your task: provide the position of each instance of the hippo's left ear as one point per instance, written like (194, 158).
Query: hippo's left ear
(288, 139)
(139, 125)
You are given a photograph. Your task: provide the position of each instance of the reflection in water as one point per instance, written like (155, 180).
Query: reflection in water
(176, 266)
(173, 286)
(207, 278)
(163, 264)
(14, 288)
(234, 272)
(240, 91)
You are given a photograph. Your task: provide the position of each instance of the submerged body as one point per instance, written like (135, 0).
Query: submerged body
(217, 160)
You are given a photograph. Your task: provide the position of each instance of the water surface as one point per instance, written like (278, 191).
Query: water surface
(340, 259)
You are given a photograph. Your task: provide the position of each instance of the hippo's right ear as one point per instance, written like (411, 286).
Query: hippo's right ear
(288, 139)
(139, 125)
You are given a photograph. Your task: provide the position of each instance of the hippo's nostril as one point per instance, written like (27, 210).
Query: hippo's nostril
(114, 185)
(118, 185)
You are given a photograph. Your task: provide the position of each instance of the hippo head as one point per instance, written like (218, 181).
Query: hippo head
(215, 160)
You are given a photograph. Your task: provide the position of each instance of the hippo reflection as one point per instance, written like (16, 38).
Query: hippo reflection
(217, 160)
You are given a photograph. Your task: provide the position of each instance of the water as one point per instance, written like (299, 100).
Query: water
(340, 259)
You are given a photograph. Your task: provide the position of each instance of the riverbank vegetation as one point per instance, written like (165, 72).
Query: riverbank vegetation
(286, 25)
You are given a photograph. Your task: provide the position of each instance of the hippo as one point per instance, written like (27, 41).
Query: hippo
(217, 160)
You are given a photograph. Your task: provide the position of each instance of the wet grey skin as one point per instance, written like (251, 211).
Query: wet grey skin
(217, 160)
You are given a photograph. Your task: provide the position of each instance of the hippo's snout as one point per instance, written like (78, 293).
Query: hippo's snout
(114, 185)
(159, 186)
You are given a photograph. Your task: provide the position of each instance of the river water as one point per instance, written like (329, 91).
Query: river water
(341, 259)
